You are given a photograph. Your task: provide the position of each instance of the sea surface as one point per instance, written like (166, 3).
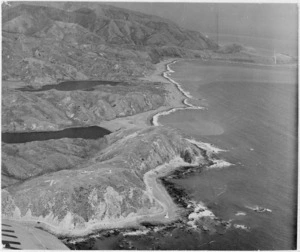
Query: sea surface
(251, 112)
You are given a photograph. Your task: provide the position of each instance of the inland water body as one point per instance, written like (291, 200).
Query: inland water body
(250, 111)
(92, 132)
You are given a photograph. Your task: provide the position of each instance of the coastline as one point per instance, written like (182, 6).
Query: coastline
(167, 168)
(176, 100)
(184, 93)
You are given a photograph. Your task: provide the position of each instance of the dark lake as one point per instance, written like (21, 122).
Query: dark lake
(86, 85)
(93, 132)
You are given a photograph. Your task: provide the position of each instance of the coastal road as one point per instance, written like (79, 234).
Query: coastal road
(157, 190)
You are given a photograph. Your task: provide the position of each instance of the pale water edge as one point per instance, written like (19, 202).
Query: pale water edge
(217, 163)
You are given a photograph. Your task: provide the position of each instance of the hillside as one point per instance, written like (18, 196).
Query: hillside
(50, 42)
(75, 186)
(105, 191)
(55, 110)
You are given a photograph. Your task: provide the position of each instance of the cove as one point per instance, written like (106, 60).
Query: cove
(92, 132)
(72, 85)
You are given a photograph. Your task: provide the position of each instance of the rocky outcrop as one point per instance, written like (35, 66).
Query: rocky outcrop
(54, 110)
(106, 191)
(147, 148)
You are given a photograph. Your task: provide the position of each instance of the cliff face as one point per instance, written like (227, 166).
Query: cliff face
(105, 190)
(53, 110)
(50, 42)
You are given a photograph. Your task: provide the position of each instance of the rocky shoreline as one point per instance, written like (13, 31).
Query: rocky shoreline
(188, 218)
(193, 219)
(172, 153)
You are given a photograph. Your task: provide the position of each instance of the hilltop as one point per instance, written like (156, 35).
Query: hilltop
(49, 42)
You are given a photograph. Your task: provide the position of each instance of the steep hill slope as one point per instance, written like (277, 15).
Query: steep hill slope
(106, 191)
(76, 186)
(55, 110)
(113, 25)
(49, 42)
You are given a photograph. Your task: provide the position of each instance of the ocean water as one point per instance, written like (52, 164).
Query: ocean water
(251, 112)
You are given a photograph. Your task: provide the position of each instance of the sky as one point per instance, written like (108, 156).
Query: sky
(270, 20)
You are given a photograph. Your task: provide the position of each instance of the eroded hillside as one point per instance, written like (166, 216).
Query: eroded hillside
(76, 186)
(65, 41)
(103, 191)
(54, 109)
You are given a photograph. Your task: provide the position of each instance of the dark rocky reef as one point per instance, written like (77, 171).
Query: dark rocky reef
(152, 236)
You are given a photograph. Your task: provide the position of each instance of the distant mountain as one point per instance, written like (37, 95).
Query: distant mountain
(111, 24)
(48, 42)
